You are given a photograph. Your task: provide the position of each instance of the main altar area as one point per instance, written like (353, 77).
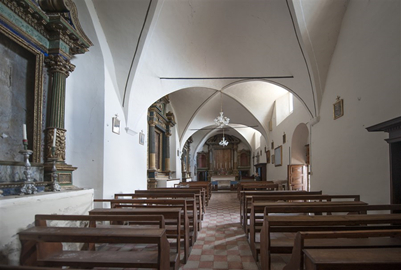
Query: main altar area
(223, 165)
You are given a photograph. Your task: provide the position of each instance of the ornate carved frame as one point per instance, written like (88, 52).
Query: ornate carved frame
(50, 30)
(38, 102)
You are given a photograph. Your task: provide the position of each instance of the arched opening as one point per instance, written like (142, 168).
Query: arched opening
(298, 178)
(300, 145)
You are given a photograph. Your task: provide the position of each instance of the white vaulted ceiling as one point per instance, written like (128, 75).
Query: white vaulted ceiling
(191, 49)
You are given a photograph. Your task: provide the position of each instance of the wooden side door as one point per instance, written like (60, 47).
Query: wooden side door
(297, 177)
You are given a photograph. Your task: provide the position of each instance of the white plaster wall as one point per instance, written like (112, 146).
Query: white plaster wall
(365, 72)
(84, 112)
(18, 213)
(288, 125)
(124, 157)
(177, 145)
(108, 162)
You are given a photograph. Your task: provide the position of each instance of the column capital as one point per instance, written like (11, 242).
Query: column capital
(57, 63)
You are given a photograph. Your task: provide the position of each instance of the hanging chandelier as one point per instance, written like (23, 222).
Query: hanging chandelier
(221, 120)
(223, 141)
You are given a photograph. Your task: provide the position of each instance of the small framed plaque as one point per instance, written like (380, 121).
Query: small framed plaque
(141, 138)
(116, 125)
(338, 108)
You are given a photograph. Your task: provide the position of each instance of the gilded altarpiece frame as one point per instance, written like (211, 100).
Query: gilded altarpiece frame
(51, 32)
(36, 131)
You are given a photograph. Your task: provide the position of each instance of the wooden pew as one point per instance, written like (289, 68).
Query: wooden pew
(197, 192)
(14, 267)
(149, 206)
(205, 184)
(341, 239)
(192, 206)
(257, 208)
(353, 259)
(292, 224)
(261, 199)
(172, 232)
(200, 189)
(257, 202)
(256, 185)
(42, 245)
(247, 194)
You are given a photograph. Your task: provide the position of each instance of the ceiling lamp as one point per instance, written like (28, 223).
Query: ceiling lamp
(223, 141)
(221, 120)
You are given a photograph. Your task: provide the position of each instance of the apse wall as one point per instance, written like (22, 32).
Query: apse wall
(364, 71)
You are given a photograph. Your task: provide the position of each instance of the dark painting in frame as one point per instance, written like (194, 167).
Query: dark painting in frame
(278, 158)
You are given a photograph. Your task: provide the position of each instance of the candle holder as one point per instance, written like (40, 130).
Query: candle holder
(29, 186)
(55, 185)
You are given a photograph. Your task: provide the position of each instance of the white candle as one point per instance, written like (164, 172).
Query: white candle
(54, 137)
(24, 132)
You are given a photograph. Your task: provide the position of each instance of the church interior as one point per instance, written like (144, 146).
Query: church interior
(101, 97)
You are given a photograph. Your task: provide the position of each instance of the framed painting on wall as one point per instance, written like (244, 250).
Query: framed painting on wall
(116, 125)
(141, 138)
(338, 108)
(278, 158)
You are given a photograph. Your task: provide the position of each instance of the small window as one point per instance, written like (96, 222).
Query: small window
(284, 107)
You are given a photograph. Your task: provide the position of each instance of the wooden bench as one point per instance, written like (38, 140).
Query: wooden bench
(256, 220)
(204, 184)
(257, 203)
(249, 200)
(202, 191)
(271, 244)
(14, 267)
(149, 205)
(200, 199)
(192, 206)
(173, 230)
(353, 259)
(256, 185)
(341, 239)
(245, 194)
(42, 245)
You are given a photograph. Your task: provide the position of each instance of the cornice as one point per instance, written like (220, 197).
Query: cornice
(55, 21)
(387, 126)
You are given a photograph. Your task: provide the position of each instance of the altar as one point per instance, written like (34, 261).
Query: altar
(223, 181)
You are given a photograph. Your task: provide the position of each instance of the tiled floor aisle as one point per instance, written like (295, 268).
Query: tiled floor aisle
(221, 243)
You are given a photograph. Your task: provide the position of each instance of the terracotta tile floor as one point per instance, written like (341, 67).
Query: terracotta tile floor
(222, 243)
